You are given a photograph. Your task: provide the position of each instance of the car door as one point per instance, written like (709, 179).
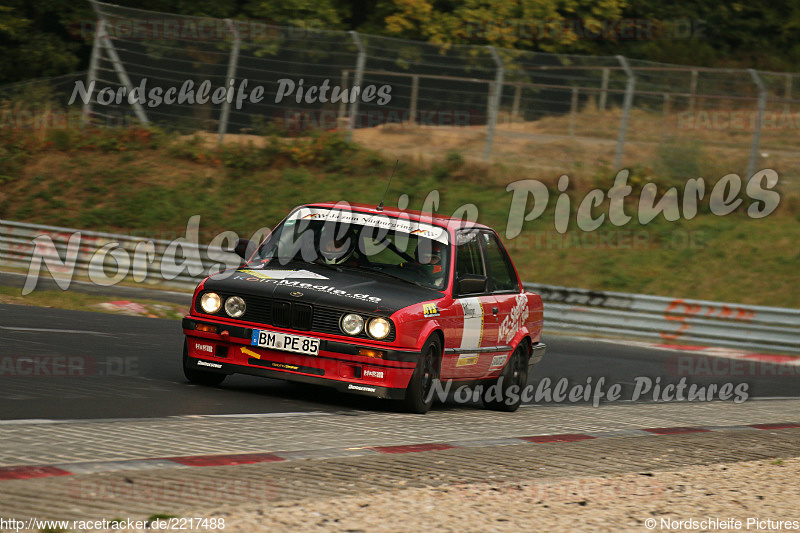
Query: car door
(478, 327)
(503, 285)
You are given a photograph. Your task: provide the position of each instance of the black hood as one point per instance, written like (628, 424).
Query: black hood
(349, 289)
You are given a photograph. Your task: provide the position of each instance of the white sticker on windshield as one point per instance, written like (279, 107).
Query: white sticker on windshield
(402, 225)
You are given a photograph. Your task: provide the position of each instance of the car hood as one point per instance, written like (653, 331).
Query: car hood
(350, 289)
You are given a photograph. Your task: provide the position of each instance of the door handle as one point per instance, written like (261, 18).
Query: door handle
(495, 310)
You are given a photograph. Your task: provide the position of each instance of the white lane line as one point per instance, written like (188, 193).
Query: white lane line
(51, 330)
(35, 421)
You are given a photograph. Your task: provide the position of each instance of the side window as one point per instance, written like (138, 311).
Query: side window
(501, 273)
(468, 255)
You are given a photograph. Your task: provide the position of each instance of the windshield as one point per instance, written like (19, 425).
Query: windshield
(413, 252)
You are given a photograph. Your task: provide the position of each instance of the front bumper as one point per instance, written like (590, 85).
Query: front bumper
(384, 373)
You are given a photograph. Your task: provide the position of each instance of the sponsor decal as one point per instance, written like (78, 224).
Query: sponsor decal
(374, 374)
(283, 274)
(515, 319)
(467, 359)
(499, 360)
(283, 366)
(200, 347)
(436, 233)
(206, 363)
(360, 388)
(429, 310)
(473, 322)
(296, 294)
(330, 289)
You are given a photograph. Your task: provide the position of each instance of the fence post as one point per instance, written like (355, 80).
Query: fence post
(787, 92)
(601, 105)
(360, 62)
(762, 105)
(494, 102)
(692, 90)
(232, 63)
(414, 92)
(515, 104)
(573, 111)
(92, 73)
(119, 68)
(626, 111)
(342, 104)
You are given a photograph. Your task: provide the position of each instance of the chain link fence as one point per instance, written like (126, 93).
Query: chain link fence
(559, 113)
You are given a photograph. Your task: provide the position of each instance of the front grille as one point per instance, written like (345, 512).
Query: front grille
(302, 315)
(281, 314)
(293, 315)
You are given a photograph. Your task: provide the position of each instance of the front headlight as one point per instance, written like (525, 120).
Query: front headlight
(210, 302)
(352, 324)
(379, 328)
(235, 306)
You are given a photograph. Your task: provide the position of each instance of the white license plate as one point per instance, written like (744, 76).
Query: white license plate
(285, 342)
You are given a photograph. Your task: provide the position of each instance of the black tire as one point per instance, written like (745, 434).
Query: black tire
(419, 397)
(200, 377)
(514, 374)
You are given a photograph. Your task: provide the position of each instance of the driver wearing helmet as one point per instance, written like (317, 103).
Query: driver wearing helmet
(430, 256)
(337, 250)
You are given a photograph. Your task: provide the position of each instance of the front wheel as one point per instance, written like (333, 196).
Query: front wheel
(197, 376)
(505, 393)
(419, 394)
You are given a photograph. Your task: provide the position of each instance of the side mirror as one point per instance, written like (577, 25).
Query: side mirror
(471, 284)
(242, 247)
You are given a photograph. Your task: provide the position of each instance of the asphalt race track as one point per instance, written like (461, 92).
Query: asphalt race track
(82, 365)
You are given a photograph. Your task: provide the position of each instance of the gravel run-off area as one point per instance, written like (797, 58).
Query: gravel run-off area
(757, 490)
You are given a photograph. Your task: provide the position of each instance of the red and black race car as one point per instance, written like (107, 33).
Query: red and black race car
(371, 301)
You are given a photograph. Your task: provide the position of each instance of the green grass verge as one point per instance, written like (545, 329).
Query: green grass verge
(150, 184)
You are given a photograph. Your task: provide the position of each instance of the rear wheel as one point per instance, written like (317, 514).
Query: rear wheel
(419, 394)
(505, 393)
(197, 376)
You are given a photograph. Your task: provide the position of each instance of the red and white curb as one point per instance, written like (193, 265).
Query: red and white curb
(193, 461)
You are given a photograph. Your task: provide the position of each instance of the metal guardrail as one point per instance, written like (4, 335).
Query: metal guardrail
(672, 320)
(149, 261)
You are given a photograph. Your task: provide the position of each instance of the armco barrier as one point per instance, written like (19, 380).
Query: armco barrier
(673, 320)
(187, 262)
(566, 309)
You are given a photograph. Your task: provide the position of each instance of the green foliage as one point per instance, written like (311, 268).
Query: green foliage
(680, 159)
(41, 38)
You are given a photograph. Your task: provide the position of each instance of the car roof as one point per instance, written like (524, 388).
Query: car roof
(416, 216)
